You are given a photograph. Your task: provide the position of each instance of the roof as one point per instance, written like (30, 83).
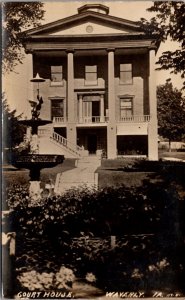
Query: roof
(87, 26)
(82, 17)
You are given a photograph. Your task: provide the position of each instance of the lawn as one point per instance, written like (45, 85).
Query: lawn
(135, 172)
(111, 172)
(12, 175)
(174, 154)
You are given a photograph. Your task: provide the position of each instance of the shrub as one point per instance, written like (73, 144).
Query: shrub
(111, 211)
(77, 224)
(32, 280)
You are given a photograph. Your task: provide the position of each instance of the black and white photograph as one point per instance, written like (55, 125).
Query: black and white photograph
(93, 149)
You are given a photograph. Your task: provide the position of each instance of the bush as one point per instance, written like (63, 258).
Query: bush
(111, 211)
(74, 229)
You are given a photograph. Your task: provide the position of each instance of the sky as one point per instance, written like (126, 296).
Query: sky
(16, 84)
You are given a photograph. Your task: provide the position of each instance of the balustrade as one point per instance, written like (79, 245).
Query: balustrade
(59, 120)
(93, 119)
(105, 119)
(135, 118)
(72, 147)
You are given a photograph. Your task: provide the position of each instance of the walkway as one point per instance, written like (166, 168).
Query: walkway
(84, 175)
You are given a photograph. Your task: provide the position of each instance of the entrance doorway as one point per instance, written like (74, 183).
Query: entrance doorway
(92, 143)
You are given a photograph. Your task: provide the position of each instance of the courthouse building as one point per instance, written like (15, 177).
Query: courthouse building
(99, 89)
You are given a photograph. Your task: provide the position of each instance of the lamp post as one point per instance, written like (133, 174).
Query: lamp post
(34, 160)
(36, 105)
(37, 79)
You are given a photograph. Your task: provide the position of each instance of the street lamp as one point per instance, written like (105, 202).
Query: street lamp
(36, 105)
(37, 79)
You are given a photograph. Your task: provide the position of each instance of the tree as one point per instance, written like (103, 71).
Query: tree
(171, 112)
(17, 17)
(169, 23)
(13, 131)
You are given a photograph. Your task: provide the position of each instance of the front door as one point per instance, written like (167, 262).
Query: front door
(92, 143)
(87, 111)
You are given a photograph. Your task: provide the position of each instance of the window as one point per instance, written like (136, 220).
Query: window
(57, 108)
(91, 74)
(125, 108)
(126, 73)
(56, 75)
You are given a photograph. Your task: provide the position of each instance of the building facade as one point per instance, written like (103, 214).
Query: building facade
(99, 88)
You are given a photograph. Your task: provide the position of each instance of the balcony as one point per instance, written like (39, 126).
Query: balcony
(135, 119)
(59, 120)
(93, 120)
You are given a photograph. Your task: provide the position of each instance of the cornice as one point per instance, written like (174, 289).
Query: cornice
(31, 46)
(88, 38)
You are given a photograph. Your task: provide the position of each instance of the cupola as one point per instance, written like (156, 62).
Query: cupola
(100, 8)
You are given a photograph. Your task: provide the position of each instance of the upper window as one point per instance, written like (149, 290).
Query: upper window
(91, 75)
(126, 73)
(56, 75)
(126, 109)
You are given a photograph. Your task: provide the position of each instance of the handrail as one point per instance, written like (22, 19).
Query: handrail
(93, 119)
(70, 146)
(135, 118)
(59, 120)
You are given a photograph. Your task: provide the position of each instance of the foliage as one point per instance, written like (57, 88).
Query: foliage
(171, 112)
(169, 23)
(60, 280)
(17, 17)
(74, 229)
(23, 147)
(90, 277)
(96, 213)
(89, 252)
(13, 131)
(17, 195)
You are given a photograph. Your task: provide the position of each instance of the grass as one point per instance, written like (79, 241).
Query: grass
(111, 172)
(21, 176)
(174, 154)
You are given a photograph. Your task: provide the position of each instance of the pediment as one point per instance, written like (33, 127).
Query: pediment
(89, 23)
(90, 28)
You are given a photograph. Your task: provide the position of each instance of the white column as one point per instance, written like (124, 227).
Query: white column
(71, 113)
(70, 86)
(111, 128)
(152, 128)
(111, 86)
(102, 119)
(30, 85)
(80, 109)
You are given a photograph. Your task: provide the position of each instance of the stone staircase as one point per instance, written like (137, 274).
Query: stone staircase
(83, 176)
(72, 148)
(51, 142)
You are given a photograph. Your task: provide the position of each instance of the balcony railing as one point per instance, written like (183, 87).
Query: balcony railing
(59, 120)
(93, 119)
(135, 118)
(105, 119)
